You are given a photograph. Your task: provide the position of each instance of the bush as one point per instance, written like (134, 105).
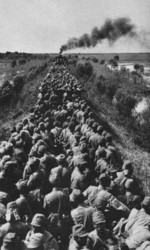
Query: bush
(40, 68)
(125, 102)
(136, 66)
(73, 61)
(101, 86)
(6, 84)
(6, 88)
(84, 70)
(95, 60)
(13, 63)
(108, 86)
(116, 58)
(102, 62)
(111, 89)
(22, 61)
(18, 82)
(80, 70)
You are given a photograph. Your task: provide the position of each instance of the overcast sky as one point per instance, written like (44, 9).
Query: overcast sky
(44, 25)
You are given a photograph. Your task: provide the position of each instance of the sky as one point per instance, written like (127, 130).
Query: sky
(42, 26)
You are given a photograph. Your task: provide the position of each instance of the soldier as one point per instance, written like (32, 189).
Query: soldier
(38, 226)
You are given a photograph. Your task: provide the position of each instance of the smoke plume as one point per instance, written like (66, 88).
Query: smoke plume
(143, 38)
(111, 30)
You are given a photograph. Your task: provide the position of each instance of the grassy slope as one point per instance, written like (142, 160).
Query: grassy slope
(19, 107)
(126, 147)
(123, 139)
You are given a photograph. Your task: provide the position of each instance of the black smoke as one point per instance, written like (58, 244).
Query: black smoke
(111, 30)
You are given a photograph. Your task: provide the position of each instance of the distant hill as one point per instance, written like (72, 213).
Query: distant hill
(123, 56)
(134, 57)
